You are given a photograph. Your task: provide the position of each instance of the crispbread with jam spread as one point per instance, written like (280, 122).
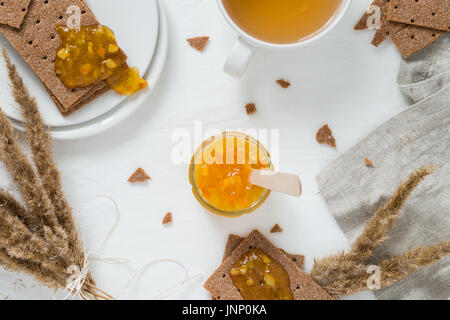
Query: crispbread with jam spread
(234, 241)
(303, 287)
(37, 42)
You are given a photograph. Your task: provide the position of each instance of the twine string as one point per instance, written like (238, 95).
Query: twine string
(77, 281)
(116, 218)
(167, 292)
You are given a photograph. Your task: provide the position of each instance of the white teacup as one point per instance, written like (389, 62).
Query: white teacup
(246, 45)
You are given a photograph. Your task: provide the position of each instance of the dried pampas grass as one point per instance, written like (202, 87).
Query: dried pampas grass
(346, 273)
(41, 147)
(40, 237)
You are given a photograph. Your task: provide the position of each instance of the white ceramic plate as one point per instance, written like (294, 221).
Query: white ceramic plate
(140, 33)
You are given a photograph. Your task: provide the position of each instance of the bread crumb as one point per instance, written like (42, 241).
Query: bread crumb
(198, 43)
(325, 135)
(276, 229)
(368, 163)
(167, 218)
(139, 176)
(250, 108)
(283, 83)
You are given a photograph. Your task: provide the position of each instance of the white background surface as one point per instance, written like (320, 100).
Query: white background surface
(341, 80)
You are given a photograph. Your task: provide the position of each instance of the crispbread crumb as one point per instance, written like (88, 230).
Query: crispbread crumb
(198, 43)
(368, 162)
(325, 136)
(276, 229)
(139, 176)
(167, 218)
(283, 83)
(250, 108)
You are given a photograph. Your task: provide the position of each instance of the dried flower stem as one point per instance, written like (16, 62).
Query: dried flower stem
(39, 238)
(20, 243)
(344, 274)
(48, 278)
(376, 229)
(403, 265)
(12, 205)
(41, 147)
(392, 270)
(22, 172)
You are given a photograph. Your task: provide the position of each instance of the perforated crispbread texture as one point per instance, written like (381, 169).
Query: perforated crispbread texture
(362, 23)
(37, 41)
(412, 39)
(91, 95)
(12, 12)
(387, 28)
(433, 14)
(303, 287)
(234, 241)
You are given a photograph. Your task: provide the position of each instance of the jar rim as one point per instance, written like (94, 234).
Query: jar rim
(196, 191)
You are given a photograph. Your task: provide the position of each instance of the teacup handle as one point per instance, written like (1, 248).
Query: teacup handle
(239, 58)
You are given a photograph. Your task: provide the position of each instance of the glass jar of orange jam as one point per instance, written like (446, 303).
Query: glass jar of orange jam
(220, 171)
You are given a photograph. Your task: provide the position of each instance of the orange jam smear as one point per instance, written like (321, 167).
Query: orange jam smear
(259, 277)
(91, 54)
(222, 174)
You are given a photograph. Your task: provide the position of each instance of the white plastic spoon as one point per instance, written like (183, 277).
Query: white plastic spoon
(286, 183)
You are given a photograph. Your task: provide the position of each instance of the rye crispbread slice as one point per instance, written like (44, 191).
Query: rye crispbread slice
(433, 14)
(387, 28)
(412, 39)
(12, 12)
(303, 287)
(37, 42)
(362, 23)
(234, 241)
(91, 95)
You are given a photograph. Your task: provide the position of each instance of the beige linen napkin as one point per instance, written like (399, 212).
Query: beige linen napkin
(416, 137)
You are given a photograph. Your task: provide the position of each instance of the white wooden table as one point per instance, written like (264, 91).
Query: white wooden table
(341, 80)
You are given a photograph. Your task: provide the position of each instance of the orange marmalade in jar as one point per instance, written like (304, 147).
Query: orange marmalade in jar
(220, 171)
